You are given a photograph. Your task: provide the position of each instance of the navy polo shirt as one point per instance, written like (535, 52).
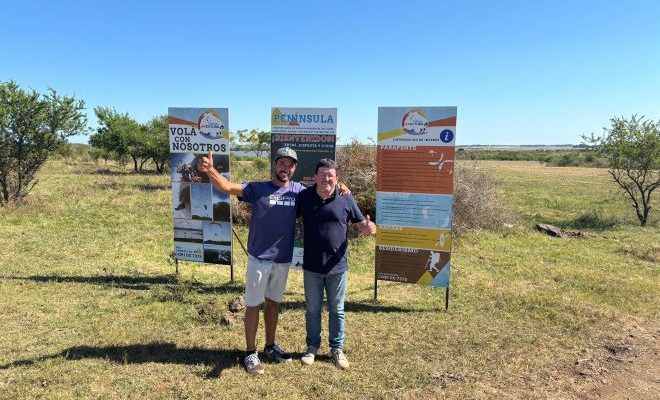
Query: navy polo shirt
(325, 224)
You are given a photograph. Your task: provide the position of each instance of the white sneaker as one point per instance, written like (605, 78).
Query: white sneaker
(339, 359)
(253, 365)
(308, 357)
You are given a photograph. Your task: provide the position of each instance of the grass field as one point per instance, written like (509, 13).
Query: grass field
(90, 306)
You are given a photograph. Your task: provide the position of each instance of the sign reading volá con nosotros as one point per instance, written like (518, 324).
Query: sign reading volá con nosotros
(202, 214)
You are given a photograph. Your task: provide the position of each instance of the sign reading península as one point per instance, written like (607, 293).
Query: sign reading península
(414, 193)
(312, 133)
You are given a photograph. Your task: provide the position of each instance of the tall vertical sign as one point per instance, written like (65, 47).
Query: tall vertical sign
(312, 133)
(202, 214)
(414, 192)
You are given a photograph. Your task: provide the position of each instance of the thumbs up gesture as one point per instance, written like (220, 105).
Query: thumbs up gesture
(206, 163)
(367, 227)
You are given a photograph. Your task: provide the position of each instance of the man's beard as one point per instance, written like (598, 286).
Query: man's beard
(283, 180)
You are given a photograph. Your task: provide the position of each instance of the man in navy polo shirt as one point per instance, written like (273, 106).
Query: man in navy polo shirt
(325, 261)
(270, 248)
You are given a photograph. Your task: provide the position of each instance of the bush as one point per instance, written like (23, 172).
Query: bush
(357, 170)
(261, 163)
(477, 204)
(33, 127)
(246, 171)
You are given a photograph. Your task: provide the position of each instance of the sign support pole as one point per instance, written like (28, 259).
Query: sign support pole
(447, 298)
(232, 258)
(176, 266)
(375, 287)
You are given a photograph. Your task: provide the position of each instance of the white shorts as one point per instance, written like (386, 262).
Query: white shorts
(265, 279)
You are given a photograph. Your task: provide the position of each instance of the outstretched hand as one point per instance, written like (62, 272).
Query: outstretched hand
(206, 163)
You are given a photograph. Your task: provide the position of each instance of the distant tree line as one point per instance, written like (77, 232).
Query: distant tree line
(581, 156)
(34, 126)
(119, 136)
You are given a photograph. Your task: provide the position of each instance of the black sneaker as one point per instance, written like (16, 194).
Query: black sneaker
(253, 365)
(275, 353)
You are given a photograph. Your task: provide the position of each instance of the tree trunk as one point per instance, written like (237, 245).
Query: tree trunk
(135, 163)
(5, 191)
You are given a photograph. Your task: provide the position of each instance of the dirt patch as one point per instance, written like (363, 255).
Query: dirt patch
(627, 369)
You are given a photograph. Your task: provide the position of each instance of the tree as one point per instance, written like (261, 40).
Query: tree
(632, 150)
(32, 127)
(158, 141)
(255, 141)
(120, 134)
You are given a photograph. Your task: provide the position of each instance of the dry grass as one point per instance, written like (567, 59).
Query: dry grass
(90, 307)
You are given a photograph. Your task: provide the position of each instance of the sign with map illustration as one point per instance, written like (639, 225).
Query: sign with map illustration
(202, 214)
(414, 194)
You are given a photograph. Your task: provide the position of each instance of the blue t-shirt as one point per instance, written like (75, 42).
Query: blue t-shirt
(273, 223)
(325, 224)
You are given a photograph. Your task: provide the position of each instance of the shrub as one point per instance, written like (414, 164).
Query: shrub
(357, 170)
(261, 163)
(477, 204)
(33, 127)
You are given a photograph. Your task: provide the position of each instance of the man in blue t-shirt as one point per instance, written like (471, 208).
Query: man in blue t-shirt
(270, 248)
(325, 261)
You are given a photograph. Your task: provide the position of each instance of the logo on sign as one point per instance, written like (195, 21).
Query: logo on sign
(446, 135)
(414, 122)
(210, 125)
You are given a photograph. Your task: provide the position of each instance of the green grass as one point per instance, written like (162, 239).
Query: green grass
(90, 306)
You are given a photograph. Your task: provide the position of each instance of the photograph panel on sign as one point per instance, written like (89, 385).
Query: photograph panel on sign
(201, 201)
(217, 233)
(188, 230)
(217, 254)
(182, 168)
(221, 205)
(181, 204)
(221, 163)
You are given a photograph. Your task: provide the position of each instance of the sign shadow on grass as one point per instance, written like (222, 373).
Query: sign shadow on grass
(131, 282)
(352, 306)
(159, 352)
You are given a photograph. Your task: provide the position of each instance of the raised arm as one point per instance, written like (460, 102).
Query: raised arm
(217, 179)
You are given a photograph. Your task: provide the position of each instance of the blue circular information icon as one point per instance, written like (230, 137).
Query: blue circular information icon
(446, 136)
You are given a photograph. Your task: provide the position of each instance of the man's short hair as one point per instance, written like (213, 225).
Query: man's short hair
(326, 163)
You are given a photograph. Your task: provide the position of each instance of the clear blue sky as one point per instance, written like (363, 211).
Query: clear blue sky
(520, 72)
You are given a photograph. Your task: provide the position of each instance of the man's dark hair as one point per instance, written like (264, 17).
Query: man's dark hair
(326, 163)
